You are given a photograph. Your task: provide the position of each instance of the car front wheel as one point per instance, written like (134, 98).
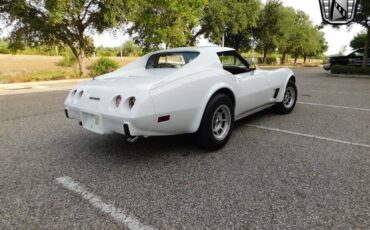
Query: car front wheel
(289, 100)
(217, 123)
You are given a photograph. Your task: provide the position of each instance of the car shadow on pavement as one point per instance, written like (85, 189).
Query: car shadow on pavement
(156, 147)
(240, 124)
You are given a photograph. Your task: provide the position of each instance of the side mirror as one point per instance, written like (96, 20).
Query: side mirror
(252, 66)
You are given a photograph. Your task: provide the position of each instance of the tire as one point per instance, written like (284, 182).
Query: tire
(217, 123)
(289, 100)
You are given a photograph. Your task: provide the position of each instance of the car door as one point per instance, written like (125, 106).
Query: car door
(254, 89)
(252, 86)
(356, 58)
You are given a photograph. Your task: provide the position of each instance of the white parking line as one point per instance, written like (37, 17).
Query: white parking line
(118, 214)
(334, 106)
(338, 92)
(309, 135)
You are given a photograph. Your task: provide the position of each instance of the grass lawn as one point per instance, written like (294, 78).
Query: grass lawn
(26, 68)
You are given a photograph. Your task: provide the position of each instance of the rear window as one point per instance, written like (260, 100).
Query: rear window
(170, 60)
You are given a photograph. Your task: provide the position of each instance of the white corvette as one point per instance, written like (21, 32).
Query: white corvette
(176, 91)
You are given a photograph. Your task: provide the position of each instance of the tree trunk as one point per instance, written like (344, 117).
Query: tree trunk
(192, 41)
(282, 62)
(264, 55)
(81, 62)
(295, 59)
(367, 45)
(304, 59)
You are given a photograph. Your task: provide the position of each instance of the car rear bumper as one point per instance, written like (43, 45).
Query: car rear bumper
(108, 124)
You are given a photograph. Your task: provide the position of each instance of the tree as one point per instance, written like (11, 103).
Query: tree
(288, 24)
(232, 19)
(363, 18)
(315, 44)
(61, 22)
(306, 40)
(269, 27)
(129, 48)
(358, 42)
(171, 23)
(240, 41)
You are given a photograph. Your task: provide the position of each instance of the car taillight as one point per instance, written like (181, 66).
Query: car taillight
(118, 100)
(131, 102)
(81, 93)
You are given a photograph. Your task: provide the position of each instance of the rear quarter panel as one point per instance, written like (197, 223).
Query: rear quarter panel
(185, 100)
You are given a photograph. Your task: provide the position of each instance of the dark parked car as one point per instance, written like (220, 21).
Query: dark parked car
(354, 59)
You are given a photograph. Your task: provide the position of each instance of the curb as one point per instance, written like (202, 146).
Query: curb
(288, 66)
(32, 83)
(348, 75)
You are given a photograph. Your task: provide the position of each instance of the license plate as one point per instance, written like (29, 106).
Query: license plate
(92, 122)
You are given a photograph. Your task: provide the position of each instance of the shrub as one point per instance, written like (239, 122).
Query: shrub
(131, 49)
(103, 66)
(68, 59)
(4, 47)
(342, 69)
(269, 60)
(105, 51)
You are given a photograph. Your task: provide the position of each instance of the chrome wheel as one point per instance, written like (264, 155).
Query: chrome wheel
(221, 122)
(289, 97)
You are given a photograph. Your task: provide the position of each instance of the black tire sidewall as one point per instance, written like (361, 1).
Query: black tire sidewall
(280, 107)
(205, 135)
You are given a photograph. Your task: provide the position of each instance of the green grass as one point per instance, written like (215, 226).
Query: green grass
(24, 76)
(340, 69)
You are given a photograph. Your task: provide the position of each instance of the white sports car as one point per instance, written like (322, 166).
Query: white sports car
(176, 91)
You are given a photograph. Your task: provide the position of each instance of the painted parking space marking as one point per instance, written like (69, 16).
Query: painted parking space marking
(309, 135)
(339, 92)
(334, 106)
(118, 214)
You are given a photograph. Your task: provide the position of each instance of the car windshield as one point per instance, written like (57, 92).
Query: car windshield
(357, 53)
(170, 60)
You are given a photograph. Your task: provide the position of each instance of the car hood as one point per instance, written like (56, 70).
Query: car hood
(337, 57)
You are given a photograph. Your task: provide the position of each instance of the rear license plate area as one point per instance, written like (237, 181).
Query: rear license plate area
(92, 122)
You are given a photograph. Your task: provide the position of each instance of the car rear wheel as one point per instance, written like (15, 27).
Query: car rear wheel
(289, 100)
(217, 123)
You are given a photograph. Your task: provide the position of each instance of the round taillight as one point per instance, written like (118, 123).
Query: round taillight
(81, 93)
(131, 102)
(118, 100)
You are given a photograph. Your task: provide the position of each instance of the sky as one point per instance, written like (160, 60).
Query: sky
(336, 38)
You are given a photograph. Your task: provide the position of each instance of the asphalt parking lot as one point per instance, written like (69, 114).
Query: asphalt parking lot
(306, 170)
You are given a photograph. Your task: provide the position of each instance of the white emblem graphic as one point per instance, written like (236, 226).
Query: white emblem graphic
(338, 11)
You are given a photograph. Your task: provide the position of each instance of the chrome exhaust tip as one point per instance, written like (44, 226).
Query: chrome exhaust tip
(132, 139)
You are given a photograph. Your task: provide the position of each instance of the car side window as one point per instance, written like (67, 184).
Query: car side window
(358, 53)
(170, 60)
(233, 62)
(230, 60)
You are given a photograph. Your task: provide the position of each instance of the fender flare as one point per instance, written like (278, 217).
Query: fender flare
(282, 92)
(213, 91)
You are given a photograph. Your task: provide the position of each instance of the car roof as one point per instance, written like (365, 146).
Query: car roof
(215, 49)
